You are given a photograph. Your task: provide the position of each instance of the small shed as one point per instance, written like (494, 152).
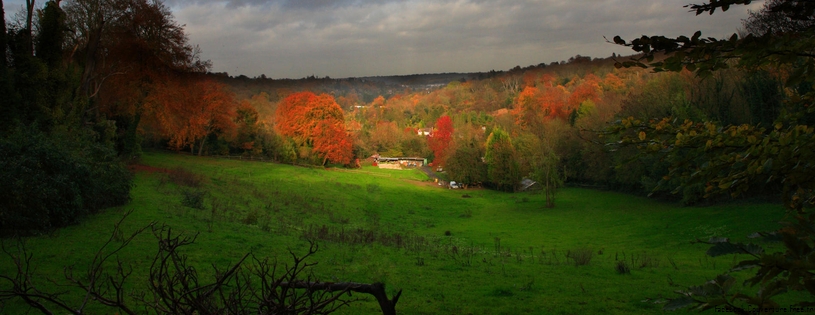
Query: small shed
(528, 185)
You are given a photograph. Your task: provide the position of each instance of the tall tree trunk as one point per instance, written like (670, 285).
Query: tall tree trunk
(3, 37)
(201, 147)
(28, 41)
(91, 49)
(130, 147)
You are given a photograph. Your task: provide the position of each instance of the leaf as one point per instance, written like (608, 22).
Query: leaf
(691, 67)
(744, 265)
(642, 135)
(696, 36)
(753, 249)
(679, 303)
(725, 248)
(768, 165)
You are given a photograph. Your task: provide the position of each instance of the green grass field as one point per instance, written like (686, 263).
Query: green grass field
(483, 253)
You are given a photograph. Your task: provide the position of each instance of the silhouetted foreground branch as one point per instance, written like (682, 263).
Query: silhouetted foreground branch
(249, 286)
(388, 306)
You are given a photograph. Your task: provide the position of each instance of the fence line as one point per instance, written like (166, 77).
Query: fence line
(241, 157)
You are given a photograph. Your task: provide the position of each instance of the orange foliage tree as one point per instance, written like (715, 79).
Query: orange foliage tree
(123, 47)
(315, 120)
(613, 83)
(187, 111)
(587, 90)
(332, 143)
(535, 105)
(527, 106)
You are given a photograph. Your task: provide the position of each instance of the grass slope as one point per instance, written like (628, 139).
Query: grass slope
(488, 253)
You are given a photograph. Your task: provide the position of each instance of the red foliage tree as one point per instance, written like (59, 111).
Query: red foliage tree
(534, 106)
(553, 101)
(187, 111)
(298, 114)
(588, 90)
(440, 140)
(315, 120)
(333, 143)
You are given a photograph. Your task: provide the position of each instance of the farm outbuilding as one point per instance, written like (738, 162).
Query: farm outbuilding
(400, 162)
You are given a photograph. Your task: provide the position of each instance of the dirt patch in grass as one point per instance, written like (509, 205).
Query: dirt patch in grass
(424, 183)
(136, 168)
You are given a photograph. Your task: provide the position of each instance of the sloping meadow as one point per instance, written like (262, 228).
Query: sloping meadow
(469, 251)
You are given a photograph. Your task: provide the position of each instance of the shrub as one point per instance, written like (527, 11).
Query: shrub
(581, 256)
(193, 198)
(49, 182)
(182, 177)
(622, 267)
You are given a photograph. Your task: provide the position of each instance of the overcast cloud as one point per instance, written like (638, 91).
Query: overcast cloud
(351, 38)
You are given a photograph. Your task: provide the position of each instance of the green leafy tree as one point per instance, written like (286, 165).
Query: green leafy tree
(502, 166)
(737, 159)
(465, 165)
(547, 175)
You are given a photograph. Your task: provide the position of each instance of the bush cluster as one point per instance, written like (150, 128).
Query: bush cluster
(47, 184)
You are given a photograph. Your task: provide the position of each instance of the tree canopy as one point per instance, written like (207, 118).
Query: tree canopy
(737, 159)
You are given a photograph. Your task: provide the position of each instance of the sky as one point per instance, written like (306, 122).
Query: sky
(354, 38)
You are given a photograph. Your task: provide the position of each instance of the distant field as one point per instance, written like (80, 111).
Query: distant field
(463, 251)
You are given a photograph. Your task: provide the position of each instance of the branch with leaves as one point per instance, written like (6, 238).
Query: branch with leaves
(702, 55)
(732, 160)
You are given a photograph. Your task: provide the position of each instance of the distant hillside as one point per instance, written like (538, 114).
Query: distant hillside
(368, 88)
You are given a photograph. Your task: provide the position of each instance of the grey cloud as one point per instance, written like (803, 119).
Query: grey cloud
(353, 38)
(287, 4)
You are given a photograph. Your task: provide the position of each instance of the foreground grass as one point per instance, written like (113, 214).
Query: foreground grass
(462, 252)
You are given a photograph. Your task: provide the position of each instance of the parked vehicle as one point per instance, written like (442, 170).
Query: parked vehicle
(454, 185)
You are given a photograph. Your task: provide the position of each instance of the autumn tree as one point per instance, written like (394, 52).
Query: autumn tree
(124, 48)
(316, 122)
(386, 138)
(440, 140)
(588, 90)
(189, 111)
(528, 108)
(332, 143)
(613, 83)
(534, 106)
